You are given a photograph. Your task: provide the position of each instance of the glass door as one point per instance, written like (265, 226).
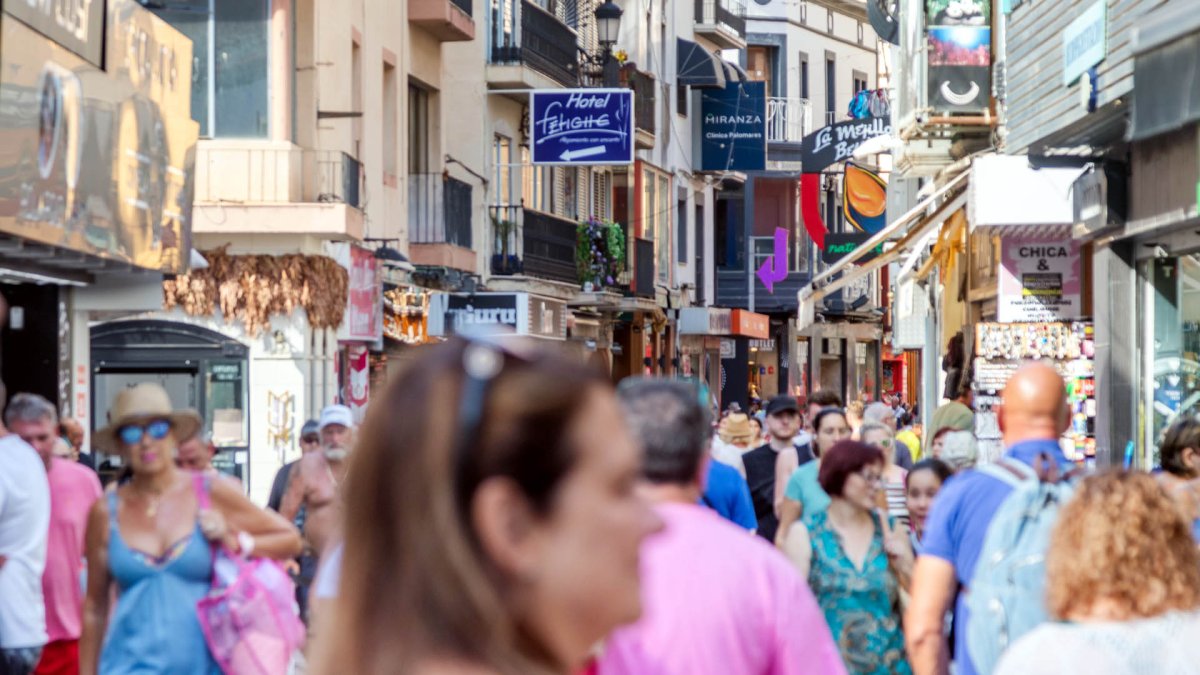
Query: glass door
(1170, 348)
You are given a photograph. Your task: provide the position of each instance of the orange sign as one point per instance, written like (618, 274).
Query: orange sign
(751, 325)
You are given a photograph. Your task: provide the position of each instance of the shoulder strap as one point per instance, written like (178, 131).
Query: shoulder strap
(1010, 473)
(111, 496)
(200, 485)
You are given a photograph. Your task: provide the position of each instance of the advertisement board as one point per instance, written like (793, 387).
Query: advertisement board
(95, 162)
(1040, 280)
(581, 126)
(733, 126)
(523, 313)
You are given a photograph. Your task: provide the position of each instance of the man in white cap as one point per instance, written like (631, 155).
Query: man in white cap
(314, 481)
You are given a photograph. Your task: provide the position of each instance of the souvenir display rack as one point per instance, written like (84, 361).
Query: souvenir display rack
(1001, 348)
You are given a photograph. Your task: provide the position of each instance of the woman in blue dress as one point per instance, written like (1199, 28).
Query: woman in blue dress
(150, 542)
(856, 561)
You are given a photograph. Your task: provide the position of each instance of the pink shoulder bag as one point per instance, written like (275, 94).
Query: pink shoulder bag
(249, 617)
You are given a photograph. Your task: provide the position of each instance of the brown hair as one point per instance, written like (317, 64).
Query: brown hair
(415, 582)
(843, 459)
(1183, 434)
(1122, 541)
(826, 398)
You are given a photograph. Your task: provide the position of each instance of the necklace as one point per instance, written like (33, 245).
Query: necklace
(153, 499)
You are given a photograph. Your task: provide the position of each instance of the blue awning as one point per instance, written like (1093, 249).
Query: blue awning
(698, 67)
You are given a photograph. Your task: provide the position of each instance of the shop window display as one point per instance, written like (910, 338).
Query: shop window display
(1172, 375)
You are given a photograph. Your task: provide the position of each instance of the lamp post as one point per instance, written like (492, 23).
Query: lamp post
(608, 25)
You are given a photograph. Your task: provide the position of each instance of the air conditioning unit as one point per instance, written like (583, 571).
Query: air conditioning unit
(924, 157)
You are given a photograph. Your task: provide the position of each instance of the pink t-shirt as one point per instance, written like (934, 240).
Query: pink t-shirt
(73, 490)
(718, 600)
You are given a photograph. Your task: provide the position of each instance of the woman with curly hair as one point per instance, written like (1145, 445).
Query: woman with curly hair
(1123, 578)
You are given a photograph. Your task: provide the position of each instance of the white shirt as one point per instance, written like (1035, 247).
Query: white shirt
(24, 525)
(1163, 645)
(730, 455)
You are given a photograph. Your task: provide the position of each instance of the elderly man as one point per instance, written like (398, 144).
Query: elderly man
(314, 480)
(714, 600)
(880, 413)
(1033, 415)
(73, 489)
(310, 440)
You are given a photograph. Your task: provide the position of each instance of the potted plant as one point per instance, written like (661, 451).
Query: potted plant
(504, 261)
(599, 253)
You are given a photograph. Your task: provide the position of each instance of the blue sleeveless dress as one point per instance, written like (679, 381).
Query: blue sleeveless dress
(154, 628)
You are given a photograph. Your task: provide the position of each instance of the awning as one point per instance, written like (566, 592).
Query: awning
(734, 72)
(915, 236)
(698, 67)
(1166, 67)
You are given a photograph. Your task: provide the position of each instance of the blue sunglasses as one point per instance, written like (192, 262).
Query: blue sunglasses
(131, 434)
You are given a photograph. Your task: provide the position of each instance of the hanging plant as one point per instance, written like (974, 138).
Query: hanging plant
(599, 252)
(254, 288)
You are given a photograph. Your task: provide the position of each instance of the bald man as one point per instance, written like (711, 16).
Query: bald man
(1033, 415)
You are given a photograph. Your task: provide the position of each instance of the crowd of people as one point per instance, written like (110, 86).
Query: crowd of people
(504, 509)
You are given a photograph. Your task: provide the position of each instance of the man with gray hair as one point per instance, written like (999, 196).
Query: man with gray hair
(73, 488)
(714, 599)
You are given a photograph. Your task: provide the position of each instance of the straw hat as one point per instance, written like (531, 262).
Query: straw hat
(736, 429)
(143, 402)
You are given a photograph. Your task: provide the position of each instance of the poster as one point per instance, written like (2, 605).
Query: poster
(1040, 280)
(959, 54)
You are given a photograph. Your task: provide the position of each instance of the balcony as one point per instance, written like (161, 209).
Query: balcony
(246, 187)
(643, 260)
(543, 54)
(447, 20)
(532, 243)
(439, 222)
(789, 120)
(645, 95)
(723, 22)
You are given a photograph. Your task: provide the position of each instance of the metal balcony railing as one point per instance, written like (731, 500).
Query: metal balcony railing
(264, 175)
(644, 275)
(731, 13)
(789, 120)
(439, 210)
(645, 93)
(530, 242)
(544, 43)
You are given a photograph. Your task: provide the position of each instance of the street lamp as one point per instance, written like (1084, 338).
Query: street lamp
(608, 24)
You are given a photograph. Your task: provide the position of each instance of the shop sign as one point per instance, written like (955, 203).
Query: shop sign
(959, 54)
(728, 348)
(1092, 212)
(840, 244)
(358, 381)
(837, 142)
(584, 127)
(101, 162)
(77, 25)
(1084, 41)
(705, 321)
(363, 321)
(524, 314)
(763, 345)
(1040, 280)
(749, 324)
(733, 127)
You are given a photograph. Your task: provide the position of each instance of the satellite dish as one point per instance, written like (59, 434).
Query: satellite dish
(882, 15)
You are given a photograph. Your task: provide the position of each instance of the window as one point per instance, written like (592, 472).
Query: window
(391, 121)
(226, 403)
(830, 88)
(729, 253)
(803, 75)
(860, 81)
(681, 228)
(356, 95)
(758, 60)
(418, 130)
(537, 184)
(230, 44)
(502, 161)
(681, 99)
(662, 240)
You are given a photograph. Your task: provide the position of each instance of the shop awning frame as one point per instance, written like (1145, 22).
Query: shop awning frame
(824, 283)
(698, 67)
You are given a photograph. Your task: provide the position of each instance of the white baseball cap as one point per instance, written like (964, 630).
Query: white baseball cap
(336, 414)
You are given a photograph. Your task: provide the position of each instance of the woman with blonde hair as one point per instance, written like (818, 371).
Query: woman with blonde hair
(1123, 578)
(492, 520)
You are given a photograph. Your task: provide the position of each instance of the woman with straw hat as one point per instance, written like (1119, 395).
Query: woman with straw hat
(152, 543)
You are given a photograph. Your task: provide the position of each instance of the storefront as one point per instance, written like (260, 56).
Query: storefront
(95, 207)
(522, 313)
(731, 351)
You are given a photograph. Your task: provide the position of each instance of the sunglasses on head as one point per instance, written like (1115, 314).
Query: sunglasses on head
(131, 434)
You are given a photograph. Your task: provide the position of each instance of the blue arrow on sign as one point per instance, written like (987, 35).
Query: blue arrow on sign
(581, 126)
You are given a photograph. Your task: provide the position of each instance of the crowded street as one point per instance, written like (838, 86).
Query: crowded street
(599, 337)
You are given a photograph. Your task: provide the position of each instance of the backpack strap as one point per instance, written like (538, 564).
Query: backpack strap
(1011, 473)
(200, 486)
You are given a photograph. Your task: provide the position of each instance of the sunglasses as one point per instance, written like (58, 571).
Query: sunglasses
(311, 438)
(483, 359)
(131, 434)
